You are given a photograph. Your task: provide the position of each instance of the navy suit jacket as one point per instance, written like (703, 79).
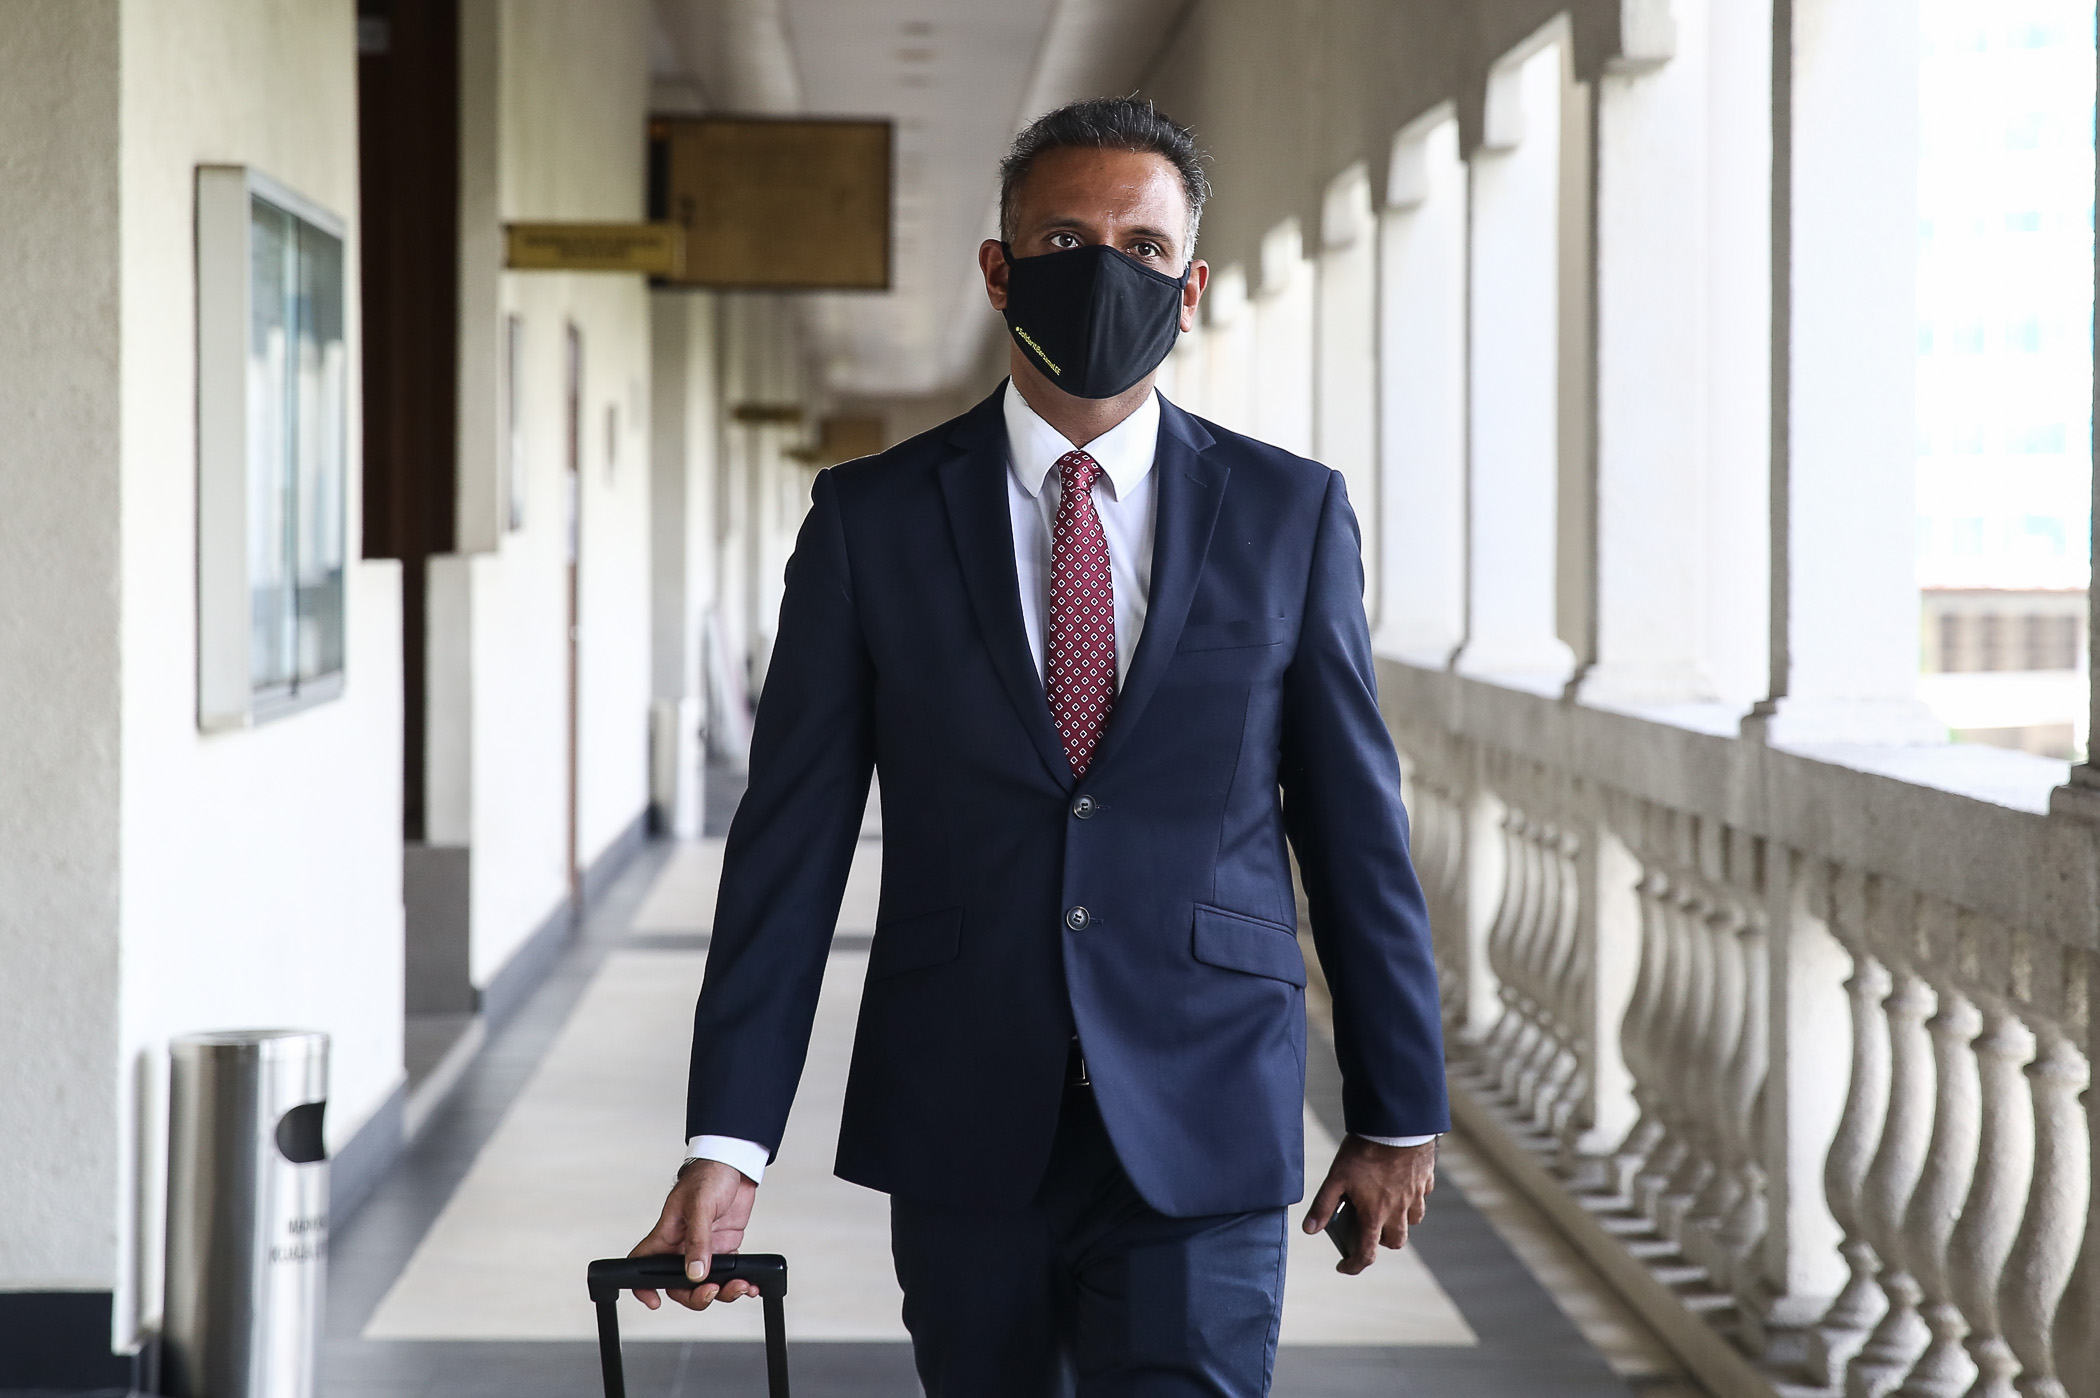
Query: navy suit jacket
(1249, 714)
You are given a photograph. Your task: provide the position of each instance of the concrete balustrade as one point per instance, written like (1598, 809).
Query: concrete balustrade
(1655, 940)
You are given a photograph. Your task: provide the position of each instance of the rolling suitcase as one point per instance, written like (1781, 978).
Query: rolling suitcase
(768, 1271)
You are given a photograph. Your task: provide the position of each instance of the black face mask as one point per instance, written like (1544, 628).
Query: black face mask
(1093, 319)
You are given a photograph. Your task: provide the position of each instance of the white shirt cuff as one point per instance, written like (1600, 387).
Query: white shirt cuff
(1401, 1141)
(747, 1157)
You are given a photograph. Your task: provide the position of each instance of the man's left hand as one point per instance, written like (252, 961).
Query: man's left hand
(1387, 1186)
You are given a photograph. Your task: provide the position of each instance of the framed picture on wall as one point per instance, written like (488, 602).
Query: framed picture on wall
(272, 445)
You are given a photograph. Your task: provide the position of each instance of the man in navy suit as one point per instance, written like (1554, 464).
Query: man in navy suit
(1108, 658)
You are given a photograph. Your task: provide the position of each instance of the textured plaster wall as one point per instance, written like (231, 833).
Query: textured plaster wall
(59, 673)
(261, 870)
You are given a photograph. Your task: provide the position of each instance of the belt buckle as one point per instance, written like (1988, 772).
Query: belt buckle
(1075, 1068)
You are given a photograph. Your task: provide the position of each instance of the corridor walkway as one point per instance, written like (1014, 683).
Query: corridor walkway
(463, 1276)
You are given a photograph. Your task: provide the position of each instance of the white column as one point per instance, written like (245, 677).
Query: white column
(683, 432)
(1845, 595)
(1512, 631)
(1283, 341)
(1229, 351)
(1422, 391)
(1346, 383)
(1683, 397)
(482, 492)
(1181, 374)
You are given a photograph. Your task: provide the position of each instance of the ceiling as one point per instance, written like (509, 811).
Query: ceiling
(958, 77)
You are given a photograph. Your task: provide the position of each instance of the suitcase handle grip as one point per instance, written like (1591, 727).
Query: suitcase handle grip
(767, 1271)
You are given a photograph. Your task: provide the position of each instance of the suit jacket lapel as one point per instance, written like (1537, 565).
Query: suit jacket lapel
(974, 484)
(1191, 489)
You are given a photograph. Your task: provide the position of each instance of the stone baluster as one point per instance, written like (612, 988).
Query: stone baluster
(1843, 1328)
(1446, 864)
(1945, 1370)
(2054, 1225)
(1538, 895)
(1554, 1064)
(1539, 1049)
(1742, 1227)
(1901, 1336)
(1672, 1146)
(1990, 1218)
(1571, 975)
(1695, 1049)
(1725, 1131)
(1639, 1033)
(1518, 885)
(1427, 832)
(1500, 931)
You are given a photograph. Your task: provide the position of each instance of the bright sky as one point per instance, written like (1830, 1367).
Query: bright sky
(2005, 293)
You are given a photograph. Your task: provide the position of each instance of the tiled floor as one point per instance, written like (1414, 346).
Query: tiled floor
(462, 1276)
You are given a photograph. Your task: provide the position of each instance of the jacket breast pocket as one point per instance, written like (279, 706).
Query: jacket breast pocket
(1236, 942)
(1232, 635)
(914, 943)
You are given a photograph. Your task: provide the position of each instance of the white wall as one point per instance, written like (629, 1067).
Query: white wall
(557, 105)
(261, 870)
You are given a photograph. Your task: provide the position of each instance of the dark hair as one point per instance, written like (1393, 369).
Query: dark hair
(1106, 123)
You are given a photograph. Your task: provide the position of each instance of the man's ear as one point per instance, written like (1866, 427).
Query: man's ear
(991, 260)
(1192, 293)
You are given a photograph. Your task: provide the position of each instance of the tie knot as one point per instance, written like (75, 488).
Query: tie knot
(1077, 471)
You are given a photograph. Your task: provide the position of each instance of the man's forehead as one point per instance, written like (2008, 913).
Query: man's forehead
(1076, 185)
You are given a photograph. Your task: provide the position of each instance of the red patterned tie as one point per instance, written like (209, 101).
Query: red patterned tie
(1080, 669)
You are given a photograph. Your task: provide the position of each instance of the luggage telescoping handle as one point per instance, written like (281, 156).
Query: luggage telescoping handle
(767, 1271)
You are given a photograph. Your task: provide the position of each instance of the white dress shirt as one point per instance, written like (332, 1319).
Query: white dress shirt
(1126, 497)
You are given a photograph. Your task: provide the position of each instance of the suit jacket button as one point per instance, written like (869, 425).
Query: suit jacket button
(1077, 919)
(1084, 807)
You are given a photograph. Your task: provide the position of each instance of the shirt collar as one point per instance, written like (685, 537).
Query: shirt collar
(1125, 451)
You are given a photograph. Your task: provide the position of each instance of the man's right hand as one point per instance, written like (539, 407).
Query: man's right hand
(706, 1213)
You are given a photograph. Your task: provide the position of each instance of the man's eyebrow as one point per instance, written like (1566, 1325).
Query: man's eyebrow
(1142, 230)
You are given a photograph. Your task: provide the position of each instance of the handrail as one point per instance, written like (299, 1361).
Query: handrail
(1794, 1051)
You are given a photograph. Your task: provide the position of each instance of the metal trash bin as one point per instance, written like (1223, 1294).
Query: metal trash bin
(247, 1214)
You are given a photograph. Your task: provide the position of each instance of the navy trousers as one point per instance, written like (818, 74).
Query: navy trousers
(1089, 1292)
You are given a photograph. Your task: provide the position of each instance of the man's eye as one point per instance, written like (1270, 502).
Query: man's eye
(1064, 240)
(1143, 249)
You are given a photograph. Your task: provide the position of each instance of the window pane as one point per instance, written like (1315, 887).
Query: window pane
(318, 545)
(273, 250)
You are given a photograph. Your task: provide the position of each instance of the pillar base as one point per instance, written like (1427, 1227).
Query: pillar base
(1790, 722)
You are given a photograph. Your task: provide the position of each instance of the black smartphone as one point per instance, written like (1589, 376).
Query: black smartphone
(1346, 1229)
